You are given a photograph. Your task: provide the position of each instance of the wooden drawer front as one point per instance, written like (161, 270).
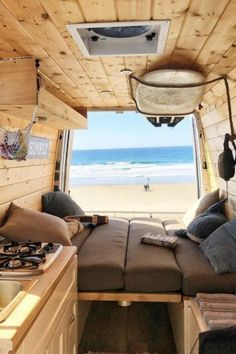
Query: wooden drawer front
(41, 332)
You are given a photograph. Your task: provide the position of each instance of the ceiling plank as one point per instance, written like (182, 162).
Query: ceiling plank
(98, 11)
(24, 45)
(92, 66)
(134, 10)
(14, 34)
(37, 22)
(168, 10)
(221, 39)
(199, 22)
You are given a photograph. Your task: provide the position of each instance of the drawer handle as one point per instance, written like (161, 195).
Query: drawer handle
(72, 319)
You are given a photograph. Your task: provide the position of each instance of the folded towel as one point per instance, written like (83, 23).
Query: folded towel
(217, 306)
(160, 240)
(211, 315)
(215, 297)
(215, 324)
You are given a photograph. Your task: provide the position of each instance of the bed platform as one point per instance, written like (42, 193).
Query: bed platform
(114, 266)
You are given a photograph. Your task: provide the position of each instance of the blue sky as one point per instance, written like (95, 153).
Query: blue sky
(108, 130)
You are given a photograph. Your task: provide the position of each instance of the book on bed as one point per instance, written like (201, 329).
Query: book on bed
(160, 240)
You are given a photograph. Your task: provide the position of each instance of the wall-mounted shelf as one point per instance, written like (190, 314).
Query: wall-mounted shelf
(51, 112)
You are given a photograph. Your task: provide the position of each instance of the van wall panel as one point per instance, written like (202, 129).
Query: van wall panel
(215, 121)
(24, 182)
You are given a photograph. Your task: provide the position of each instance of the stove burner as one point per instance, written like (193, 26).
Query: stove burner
(23, 255)
(22, 247)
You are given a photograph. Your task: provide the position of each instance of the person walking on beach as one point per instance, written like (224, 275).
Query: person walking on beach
(146, 186)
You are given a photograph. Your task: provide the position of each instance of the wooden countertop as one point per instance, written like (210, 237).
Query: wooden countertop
(15, 327)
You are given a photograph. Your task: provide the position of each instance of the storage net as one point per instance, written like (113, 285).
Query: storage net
(14, 145)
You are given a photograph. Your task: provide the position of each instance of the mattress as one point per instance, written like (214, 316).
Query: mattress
(101, 259)
(150, 268)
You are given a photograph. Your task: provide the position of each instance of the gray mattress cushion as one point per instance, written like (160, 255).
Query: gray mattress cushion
(198, 274)
(150, 268)
(101, 259)
(79, 238)
(172, 225)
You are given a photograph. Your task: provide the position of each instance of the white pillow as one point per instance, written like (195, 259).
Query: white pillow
(200, 206)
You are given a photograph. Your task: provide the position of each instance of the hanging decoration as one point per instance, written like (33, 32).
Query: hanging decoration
(14, 144)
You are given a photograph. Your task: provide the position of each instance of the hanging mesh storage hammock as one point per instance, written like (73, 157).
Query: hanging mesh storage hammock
(14, 145)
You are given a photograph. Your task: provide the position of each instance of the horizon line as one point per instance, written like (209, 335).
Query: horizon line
(134, 147)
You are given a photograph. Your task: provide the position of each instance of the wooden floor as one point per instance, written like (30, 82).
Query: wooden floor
(142, 327)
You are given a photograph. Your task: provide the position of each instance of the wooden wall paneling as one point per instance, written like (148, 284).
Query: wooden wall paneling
(37, 129)
(198, 23)
(220, 40)
(217, 130)
(134, 10)
(211, 118)
(31, 201)
(174, 11)
(21, 189)
(34, 20)
(20, 174)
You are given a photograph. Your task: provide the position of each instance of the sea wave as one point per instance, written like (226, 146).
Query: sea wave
(129, 170)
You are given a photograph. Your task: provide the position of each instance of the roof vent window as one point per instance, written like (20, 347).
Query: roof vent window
(120, 38)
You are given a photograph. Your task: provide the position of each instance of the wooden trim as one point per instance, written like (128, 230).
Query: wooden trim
(135, 297)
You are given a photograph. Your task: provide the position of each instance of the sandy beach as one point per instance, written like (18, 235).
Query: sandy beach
(161, 199)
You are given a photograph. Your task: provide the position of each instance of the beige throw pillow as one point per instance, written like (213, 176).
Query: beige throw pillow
(74, 227)
(200, 206)
(29, 225)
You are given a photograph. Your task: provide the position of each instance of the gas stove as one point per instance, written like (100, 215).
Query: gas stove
(27, 258)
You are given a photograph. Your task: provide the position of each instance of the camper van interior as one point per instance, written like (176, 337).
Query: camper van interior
(73, 283)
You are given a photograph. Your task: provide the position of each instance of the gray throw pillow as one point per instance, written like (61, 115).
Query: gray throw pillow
(220, 248)
(204, 224)
(60, 204)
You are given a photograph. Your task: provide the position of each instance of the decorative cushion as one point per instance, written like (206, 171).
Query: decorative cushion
(74, 226)
(200, 206)
(29, 225)
(60, 204)
(220, 248)
(204, 224)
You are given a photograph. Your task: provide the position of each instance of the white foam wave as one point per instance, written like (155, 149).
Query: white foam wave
(127, 170)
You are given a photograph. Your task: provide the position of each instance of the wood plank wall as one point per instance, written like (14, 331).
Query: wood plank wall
(215, 122)
(24, 182)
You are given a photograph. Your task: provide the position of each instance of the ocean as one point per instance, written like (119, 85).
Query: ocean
(133, 166)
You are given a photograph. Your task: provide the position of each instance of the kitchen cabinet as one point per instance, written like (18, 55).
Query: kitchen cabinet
(54, 330)
(45, 321)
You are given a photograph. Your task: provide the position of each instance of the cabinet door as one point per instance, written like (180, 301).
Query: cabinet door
(57, 345)
(71, 328)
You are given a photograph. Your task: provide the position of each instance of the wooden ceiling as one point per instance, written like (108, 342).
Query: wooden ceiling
(202, 36)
